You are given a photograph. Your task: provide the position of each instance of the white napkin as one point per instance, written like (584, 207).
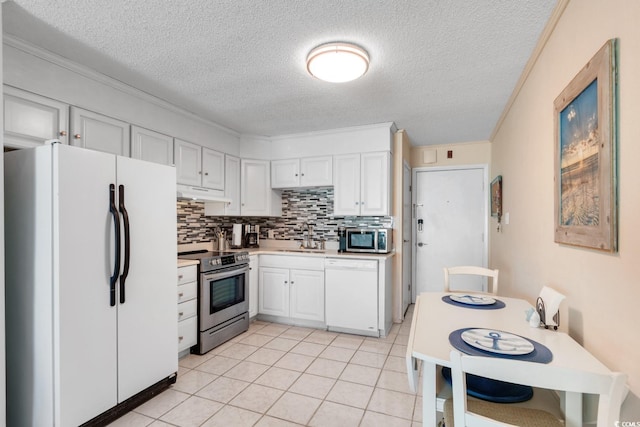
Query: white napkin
(552, 300)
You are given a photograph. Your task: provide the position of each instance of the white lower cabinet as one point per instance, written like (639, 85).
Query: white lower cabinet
(292, 293)
(187, 307)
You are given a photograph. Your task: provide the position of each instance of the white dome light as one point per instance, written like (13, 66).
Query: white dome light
(337, 62)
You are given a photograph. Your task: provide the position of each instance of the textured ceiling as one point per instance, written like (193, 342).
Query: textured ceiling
(441, 69)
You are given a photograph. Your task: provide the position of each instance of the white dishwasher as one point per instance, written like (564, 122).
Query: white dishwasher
(351, 295)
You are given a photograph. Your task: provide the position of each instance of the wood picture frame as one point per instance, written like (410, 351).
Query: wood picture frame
(585, 176)
(496, 197)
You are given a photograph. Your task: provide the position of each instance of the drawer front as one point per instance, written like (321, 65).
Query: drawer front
(187, 274)
(187, 292)
(187, 333)
(301, 262)
(187, 309)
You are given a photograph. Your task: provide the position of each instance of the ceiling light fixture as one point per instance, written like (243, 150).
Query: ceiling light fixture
(337, 62)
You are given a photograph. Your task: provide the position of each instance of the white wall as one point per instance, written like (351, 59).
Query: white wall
(465, 153)
(357, 139)
(32, 69)
(603, 289)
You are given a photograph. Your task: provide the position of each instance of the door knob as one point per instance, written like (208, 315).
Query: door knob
(77, 136)
(421, 244)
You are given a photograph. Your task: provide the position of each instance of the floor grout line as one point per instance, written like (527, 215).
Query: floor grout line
(340, 343)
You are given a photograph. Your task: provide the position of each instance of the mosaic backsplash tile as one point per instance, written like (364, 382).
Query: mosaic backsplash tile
(312, 205)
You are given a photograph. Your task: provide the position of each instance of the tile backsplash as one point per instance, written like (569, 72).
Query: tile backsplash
(312, 205)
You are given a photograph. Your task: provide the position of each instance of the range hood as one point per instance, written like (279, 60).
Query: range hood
(199, 194)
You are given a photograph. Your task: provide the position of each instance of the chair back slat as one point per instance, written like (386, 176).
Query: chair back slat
(469, 270)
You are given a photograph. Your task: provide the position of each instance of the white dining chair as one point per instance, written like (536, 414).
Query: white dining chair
(471, 271)
(460, 411)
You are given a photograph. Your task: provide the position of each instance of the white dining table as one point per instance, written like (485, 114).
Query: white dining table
(434, 320)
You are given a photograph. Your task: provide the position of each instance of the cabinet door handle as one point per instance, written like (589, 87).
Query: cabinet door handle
(63, 133)
(181, 314)
(292, 282)
(77, 136)
(285, 282)
(181, 294)
(206, 173)
(296, 174)
(180, 339)
(199, 172)
(302, 174)
(180, 276)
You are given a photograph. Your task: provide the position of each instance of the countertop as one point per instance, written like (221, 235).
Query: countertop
(187, 262)
(284, 248)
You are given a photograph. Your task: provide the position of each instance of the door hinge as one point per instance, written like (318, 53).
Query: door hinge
(409, 286)
(410, 187)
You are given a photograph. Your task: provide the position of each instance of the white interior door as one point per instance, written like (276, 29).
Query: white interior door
(450, 223)
(147, 326)
(406, 238)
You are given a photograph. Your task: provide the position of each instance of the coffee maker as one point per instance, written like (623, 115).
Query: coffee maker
(251, 236)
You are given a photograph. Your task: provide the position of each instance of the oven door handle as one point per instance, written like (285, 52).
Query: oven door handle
(217, 275)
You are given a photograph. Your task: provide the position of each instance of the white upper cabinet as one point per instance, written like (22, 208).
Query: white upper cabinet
(232, 187)
(198, 166)
(346, 180)
(305, 172)
(212, 169)
(30, 119)
(257, 197)
(316, 171)
(188, 159)
(361, 184)
(374, 184)
(285, 173)
(151, 146)
(101, 133)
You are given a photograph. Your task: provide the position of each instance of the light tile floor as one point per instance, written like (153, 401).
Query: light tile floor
(278, 375)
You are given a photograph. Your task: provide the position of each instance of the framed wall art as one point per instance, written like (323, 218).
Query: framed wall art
(585, 156)
(496, 197)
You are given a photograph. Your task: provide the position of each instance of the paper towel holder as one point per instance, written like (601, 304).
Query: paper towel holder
(541, 311)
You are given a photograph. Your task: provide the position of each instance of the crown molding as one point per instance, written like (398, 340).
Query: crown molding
(96, 76)
(386, 125)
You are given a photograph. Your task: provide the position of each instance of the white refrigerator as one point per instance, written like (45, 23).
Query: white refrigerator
(90, 282)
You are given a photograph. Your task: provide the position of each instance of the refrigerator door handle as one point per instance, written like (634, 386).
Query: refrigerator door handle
(127, 243)
(116, 222)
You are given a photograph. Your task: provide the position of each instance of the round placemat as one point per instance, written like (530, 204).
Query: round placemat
(495, 306)
(540, 353)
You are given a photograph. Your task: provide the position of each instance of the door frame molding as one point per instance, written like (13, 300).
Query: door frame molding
(414, 181)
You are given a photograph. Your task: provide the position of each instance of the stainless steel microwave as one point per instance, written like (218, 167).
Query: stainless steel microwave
(370, 240)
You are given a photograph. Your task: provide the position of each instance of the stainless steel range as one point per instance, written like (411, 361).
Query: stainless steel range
(223, 297)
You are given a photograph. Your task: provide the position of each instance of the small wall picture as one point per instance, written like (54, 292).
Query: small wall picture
(585, 156)
(496, 197)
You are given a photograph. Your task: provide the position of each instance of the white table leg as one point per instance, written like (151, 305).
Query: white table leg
(429, 416)
(412, 373)
(573, 409)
